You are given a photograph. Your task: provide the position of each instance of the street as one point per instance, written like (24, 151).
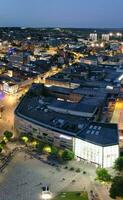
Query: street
(7, 117)
(118, 114)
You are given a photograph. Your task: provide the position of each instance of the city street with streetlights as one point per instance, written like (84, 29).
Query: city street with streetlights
(118, 114)
(9, 103)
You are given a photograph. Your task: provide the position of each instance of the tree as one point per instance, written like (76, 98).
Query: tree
(8, 134)
(47, 149)
(54, 151)
(40, 147)
(68, 155)
(119, 164)
(116, 189)
(2, 144)
(25, 139)
(1, 149)
(103, 175)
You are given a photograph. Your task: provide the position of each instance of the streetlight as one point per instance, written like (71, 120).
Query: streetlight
(102, 45)
(93, 45)
(29, 38)
(97, 45)
(119, 34)
(111, 34)
(46, 195)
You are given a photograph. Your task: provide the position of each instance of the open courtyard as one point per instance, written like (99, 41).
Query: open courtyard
(25, 175)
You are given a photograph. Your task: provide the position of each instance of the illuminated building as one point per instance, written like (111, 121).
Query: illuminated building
(10, 88)
(105, 37)
(10, 73)
(98, 143)
(62, 124)
(16, 59)
(90, 60)
(93, 36)
(95, 144)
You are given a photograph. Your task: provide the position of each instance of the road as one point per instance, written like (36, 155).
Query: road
(10, 102)
(118, 114)
(7, 117)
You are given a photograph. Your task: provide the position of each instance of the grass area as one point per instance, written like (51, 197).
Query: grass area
(72, 196)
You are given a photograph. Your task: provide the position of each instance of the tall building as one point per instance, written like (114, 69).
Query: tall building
(93, 36)
(105, 37)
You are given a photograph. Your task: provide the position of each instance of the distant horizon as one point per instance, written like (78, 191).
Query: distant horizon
(62, 13)
(60, 27)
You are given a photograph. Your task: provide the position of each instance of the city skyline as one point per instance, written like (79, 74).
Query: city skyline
(61, 99)
(79, 14)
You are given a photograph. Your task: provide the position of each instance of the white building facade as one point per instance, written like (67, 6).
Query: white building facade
(105, 37)
(93, 36)
(101, 156)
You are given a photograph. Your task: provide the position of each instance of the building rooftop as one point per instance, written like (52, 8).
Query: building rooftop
(100, 133)
(38, 113)
(86, 105)
(37, 110)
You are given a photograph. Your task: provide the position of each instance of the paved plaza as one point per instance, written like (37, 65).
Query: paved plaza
(24, 177)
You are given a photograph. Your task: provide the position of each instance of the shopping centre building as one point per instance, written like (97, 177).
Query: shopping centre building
(65, 125)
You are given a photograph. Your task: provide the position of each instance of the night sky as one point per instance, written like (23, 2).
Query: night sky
(62, 13)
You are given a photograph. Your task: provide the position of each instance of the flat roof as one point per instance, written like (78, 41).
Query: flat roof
(85, 106)
(34, 111)
(100, 134)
